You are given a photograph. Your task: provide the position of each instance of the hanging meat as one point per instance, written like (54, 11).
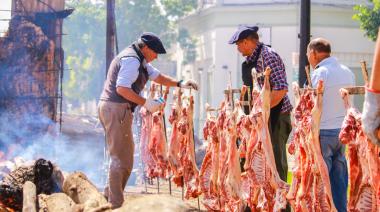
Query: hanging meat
(174, 144)
(266, 190)
(146, 127)
(157, 143)
(311, 189)
(244, 125)
(187, 152)
(208, 174)
(364, 163)
(223, 153)
(232, 184)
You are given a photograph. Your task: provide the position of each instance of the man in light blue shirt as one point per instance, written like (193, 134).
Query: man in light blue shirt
(334, 76)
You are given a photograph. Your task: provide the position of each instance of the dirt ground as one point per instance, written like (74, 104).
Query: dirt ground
(158, 198)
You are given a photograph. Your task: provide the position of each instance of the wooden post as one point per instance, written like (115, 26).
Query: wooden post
(307, 70)
(110, 37)
(29, 197)
(183, 187)
(364, 72)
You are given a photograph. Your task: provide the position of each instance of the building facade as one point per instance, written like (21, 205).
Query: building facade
(217, 63)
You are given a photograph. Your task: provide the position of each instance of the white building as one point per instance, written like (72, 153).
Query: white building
(216, 20)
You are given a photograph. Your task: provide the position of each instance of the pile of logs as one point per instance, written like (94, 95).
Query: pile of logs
(42, 187)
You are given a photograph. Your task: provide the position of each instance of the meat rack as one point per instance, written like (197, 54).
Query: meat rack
(359, 90)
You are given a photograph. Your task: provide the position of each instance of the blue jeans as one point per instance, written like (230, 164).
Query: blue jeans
(333, 152)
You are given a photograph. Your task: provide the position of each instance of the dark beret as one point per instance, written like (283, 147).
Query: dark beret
(242, 32)
(153, 42)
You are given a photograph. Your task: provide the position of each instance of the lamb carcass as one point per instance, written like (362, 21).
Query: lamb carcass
(364, 163)
(158, 144)
(174, 144)
(146, 127)
(311, 189)
(187, 153)
(267, 191)
(208, 174)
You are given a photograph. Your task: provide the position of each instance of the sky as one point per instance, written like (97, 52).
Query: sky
(4, 5)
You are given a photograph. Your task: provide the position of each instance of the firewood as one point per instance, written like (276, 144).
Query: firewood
(57, 202)
(82, 191)
(29, 197)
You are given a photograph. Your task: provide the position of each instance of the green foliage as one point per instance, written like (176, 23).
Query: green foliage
(178, 8)
(84, 47)
(84, 43)
(369, 18)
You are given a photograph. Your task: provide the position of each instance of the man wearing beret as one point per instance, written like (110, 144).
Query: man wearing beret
(260, 56)
(127, 75)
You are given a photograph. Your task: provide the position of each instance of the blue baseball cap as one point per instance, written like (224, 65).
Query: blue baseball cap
(153, 42)
(242, 32)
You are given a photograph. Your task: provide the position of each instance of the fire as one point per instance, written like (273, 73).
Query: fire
(5, 208)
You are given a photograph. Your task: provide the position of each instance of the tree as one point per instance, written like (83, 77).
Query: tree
(84, 43)
(369, 18)
(84, 47)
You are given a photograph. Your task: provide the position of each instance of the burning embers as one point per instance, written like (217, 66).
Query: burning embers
(42, 173)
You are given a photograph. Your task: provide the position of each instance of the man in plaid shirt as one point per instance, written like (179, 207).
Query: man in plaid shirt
(260, 56)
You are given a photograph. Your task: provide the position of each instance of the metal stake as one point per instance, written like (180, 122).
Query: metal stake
(146, 187)
(170, 186)
(158, 185)
(195, 158)
(199, 206)
(183, 186)
(166, 137)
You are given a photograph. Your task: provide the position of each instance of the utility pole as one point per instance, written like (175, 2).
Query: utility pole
(304, 40)
(111, 33)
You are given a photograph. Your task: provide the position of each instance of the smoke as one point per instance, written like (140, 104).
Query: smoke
(23, 137)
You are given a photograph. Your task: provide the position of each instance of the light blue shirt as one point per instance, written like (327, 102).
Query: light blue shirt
(129, 71)
(335, 76)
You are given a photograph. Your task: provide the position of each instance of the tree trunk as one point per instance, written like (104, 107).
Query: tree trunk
(82, 191)
(57, 202)
(29, 197)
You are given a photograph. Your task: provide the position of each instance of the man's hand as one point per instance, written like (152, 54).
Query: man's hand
(189, 84)
(153, 105)
(371, 116)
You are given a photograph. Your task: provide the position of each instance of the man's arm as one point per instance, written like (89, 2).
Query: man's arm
(276, 97)
(166, 80)
(129, 94)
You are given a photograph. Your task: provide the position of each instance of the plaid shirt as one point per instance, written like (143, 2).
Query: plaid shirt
(269, 57)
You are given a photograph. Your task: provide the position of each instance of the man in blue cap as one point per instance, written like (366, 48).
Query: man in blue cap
(260, 56)
(127, 75)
